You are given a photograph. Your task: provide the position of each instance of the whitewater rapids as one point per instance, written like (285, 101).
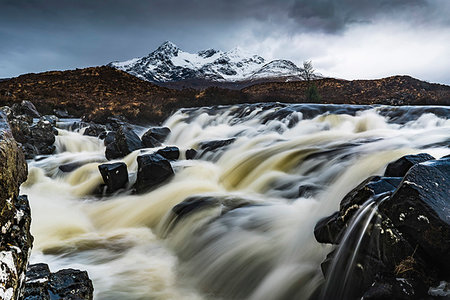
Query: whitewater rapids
(258, 242)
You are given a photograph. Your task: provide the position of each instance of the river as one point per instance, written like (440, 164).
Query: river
(288, 166)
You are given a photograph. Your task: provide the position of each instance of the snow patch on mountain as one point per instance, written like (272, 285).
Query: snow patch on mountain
(168, 63)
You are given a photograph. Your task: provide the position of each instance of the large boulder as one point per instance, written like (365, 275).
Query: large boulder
(64, 284)
(15, 216)
(125, 142)
(153, 169)
(393, 235)
(399, 167)
(420, 210)
(155, 136)
(114, 175)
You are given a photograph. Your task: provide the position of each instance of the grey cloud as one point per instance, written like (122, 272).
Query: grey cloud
(37, 35)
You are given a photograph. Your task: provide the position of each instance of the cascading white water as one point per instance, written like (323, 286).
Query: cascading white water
(256, 241)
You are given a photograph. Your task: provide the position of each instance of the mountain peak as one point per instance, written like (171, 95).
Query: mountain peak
(168, 47)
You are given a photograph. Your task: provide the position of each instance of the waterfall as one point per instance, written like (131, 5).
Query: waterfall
(251, 235)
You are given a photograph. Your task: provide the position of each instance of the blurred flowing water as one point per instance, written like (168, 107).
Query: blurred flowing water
(261, 196)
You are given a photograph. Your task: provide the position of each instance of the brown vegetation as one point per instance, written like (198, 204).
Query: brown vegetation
(103, 91)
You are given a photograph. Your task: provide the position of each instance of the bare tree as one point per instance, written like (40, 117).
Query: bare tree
(308, 70)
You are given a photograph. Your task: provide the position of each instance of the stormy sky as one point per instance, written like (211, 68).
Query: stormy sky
(344, 38)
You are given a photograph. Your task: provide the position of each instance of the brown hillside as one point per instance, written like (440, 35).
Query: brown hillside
(403, 90)
(102, 91)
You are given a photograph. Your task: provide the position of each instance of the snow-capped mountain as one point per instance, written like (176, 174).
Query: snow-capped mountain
(169, 63)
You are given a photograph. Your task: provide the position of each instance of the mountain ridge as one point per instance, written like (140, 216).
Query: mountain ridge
(168, 64)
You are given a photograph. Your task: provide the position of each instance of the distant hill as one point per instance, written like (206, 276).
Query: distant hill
(98, 92)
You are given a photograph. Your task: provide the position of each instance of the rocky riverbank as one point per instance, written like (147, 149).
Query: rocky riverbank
(393, 234)
(16, 282)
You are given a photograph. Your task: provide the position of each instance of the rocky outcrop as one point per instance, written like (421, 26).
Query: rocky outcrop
(35, 138)
(65, 284)
(15, 217)
(401, 251)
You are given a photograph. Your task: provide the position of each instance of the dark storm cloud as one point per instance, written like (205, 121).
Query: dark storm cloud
(38, 35)
(334, 16)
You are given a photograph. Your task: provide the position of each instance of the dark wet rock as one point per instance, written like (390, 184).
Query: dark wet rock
(153, 169)
(64, 284)
(158, 133)
(171, 153)
(191, 153)
(36, 284)
(115, 176)
(70, 167)
(71, 284)
(43, 137)
(110, 137)
(329, 229)
(103, 135)
(405, 239)
(15, 215)
(369, 188)
(155, 136)
(94, 130)
(399, 167)
(420, 209)
(391, 288)
(214, 145)
(125, 142)
(61, 113)
(25, 108)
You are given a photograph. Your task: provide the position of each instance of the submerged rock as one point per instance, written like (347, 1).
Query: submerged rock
(171, 153)
(153, 169)
(214, 145)
(114, 175)
(64, 284)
